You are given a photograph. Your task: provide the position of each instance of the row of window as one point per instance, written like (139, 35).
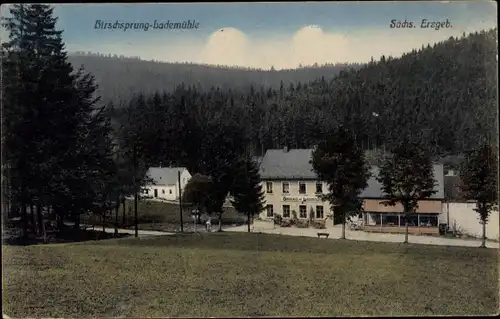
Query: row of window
(285, 188)
(414, 220)
(302, 211)
(146, 191)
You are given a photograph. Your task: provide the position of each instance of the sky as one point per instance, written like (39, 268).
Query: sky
(263, 35)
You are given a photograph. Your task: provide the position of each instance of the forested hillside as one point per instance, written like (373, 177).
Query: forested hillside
(444, 95)
(119, 77)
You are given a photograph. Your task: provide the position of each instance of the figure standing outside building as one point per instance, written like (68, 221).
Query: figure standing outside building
(209, 224)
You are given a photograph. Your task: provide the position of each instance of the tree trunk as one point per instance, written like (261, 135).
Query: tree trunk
(60, 219)
(39, 219)
(123, 217)
(24, 217)
(76, 218)
(220, 221)
(406, 229)
(248, 221)
(483, 243)
(103, 217)
(343, 224)
(117, 208)
(44, 230)
(32, 216)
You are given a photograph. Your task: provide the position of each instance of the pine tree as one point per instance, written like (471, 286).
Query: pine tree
(339, 162)
(248, 196)
(407, 176)
(52, 113)
(479, 175)
(197, 193)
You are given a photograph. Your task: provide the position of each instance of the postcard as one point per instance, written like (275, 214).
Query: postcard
(250, 159)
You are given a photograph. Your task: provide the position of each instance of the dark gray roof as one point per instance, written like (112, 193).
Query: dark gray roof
(374, 188)
(164, 175)
(294, 164)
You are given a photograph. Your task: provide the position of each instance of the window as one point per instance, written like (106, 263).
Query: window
(319, 188)
(163, 191)
(390, 220)
(373, 219)
(170, 191)
(303, 211)
(428, 220)
(286, 210)
(412, 220)
(270, 212)
(269, 187)
(286, 188)
(319, 212)
(302, 188)
(146, 191)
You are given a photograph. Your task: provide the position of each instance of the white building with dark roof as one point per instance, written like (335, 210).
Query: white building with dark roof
(165, 182)
(290, 184)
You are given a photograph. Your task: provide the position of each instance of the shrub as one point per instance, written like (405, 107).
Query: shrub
(319, 224)
(286, 223)
(278, 219)
(302, 224)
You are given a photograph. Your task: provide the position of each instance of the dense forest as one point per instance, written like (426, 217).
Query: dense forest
(71, 153)
(444, 95)
(119, 77)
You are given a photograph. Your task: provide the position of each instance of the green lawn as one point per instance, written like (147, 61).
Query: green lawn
(155, 212)
(240, 274)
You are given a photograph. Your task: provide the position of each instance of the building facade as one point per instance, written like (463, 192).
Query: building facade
(378, 217)
(165, 182)
(291, 187)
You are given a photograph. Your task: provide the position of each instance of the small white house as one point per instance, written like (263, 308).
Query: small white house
(165, 182)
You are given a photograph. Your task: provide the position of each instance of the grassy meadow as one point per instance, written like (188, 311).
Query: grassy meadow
(241, 274)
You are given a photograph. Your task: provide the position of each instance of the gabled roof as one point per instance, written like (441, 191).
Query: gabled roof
(291, 164)
(165, 175)
(294, 164)
(374, 188)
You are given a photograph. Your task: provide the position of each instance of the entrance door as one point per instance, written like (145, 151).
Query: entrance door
(156, 193)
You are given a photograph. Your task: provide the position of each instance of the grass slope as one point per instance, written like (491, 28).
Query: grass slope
(239, 274)
(151, 213)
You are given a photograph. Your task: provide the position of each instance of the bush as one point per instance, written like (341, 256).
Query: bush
(302, 224)
(286, 223)
(319, 224)
(278, 219)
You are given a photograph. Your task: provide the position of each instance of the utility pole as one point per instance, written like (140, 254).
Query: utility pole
(135, 192)
(180, 199)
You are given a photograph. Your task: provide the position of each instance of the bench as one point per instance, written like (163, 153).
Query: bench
(323, 234)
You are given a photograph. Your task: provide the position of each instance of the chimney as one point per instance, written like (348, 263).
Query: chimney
(285, 149)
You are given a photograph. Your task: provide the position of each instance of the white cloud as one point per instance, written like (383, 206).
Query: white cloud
(306, 46)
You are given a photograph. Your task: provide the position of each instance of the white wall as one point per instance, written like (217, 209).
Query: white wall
(168, 192)
(164, 191)
(467, 220)
(294, 198)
